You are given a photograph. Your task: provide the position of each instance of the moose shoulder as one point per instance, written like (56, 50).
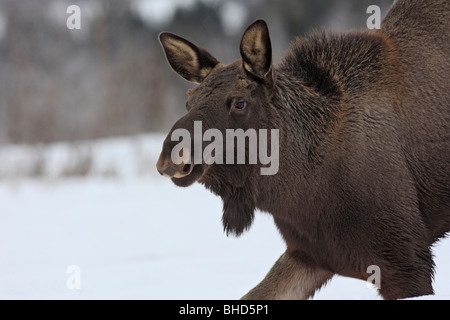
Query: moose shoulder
(363, 175)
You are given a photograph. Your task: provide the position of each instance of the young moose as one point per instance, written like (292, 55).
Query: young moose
(364, 145)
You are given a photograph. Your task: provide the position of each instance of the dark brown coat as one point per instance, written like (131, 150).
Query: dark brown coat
(364, 122)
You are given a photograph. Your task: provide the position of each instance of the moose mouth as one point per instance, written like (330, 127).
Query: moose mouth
(183, 174)
(194, 173)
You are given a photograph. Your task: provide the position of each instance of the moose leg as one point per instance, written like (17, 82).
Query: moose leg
(291, 277)
(410, 277)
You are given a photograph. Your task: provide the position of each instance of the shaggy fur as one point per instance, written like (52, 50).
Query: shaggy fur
(364, 120)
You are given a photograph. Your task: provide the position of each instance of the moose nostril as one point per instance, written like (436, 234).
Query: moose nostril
(169, 171)
(186, 168)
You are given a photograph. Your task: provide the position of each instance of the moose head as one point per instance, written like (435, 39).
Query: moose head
(229, 100)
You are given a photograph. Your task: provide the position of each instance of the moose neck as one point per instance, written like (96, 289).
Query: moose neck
(319, 80)
(317, 87)
(306, 116)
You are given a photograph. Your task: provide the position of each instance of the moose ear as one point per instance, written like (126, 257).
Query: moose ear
(189, 61)
(256, 49)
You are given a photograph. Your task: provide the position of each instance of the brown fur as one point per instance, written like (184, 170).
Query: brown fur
(364, 120)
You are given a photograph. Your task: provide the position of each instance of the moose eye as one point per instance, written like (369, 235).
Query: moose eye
(240, 105)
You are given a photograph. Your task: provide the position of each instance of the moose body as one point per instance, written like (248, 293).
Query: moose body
(364, 145)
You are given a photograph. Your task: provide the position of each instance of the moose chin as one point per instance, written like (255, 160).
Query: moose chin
(363, 173)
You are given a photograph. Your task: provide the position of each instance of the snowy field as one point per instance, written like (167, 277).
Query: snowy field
(131, 233)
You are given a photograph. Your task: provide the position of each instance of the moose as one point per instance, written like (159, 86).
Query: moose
(364, 147)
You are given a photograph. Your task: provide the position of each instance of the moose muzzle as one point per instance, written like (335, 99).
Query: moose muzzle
(167, 168)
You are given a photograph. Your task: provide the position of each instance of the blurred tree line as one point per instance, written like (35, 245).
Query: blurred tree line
(110, 78)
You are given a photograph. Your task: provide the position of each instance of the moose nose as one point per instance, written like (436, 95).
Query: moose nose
(167, 168)
(169, 171)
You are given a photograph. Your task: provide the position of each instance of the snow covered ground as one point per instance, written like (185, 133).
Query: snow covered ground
(131, 233)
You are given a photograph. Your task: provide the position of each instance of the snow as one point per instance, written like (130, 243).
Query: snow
(133, 234)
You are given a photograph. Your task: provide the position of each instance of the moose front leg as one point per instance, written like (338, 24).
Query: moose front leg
(290, 278)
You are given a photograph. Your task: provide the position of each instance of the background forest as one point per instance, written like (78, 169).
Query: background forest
(110, 78)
